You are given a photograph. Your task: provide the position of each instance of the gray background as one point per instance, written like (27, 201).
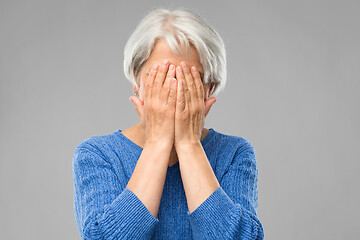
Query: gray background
(292, 90)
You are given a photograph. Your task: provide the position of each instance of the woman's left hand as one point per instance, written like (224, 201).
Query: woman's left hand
(191, 106)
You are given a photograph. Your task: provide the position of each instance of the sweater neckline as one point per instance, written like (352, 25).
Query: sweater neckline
(204, 142)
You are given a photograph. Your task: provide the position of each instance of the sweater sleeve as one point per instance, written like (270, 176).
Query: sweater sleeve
(102, 209)
(230, 212)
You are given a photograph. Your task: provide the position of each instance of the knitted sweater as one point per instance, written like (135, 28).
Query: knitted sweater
(106, 209)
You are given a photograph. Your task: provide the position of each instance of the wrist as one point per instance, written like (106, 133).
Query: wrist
(163, 144)
(188, 145)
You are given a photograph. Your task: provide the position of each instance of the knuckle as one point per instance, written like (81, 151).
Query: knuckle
(163, 69)
(156, 83)
(166, 88)
(182, 117)
(152, 74)
(169, 73)
(181, 101)
(148, 86)
(170, 80)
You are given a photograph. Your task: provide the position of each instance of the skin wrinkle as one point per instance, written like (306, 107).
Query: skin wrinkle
(198, 178)
(201, 75)
(160, 52)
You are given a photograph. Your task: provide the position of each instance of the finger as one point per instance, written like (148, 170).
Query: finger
(150, 83)
(190, 84)
(185, 91)
(171, 101)
(167, 84)
(198, 83)
(180, 95)
(159, 79)
(142, 88)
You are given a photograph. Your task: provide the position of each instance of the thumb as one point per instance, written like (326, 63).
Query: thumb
(139, 105)
(208, 104)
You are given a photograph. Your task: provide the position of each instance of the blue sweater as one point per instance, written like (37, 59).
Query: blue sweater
(106, 209)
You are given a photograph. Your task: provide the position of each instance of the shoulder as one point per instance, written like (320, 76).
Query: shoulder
(237, 143)
(97, 144)
(232, 150)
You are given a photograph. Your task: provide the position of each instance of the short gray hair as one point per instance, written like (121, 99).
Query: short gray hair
(179, 25)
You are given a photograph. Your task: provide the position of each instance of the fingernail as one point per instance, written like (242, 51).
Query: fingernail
(184, 65)
(165, 62)
(178, 68)
(131, 100)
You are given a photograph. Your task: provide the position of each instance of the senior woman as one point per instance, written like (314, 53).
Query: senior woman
(167, 176)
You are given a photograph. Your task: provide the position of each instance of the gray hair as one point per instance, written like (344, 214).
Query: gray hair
(180, 25)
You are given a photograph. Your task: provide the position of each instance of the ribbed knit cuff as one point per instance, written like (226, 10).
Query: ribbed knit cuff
(130, 215)
(210, 219)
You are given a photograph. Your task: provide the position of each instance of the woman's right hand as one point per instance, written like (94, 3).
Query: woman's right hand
(157, 110)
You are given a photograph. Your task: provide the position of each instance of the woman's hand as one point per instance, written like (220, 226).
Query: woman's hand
(157, 111)
(191, 109)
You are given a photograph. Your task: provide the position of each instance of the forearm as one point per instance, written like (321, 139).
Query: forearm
(197, 175)
(148, 178)
(223, 216)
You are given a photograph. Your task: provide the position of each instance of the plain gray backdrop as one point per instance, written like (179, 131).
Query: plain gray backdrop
(292, 90)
